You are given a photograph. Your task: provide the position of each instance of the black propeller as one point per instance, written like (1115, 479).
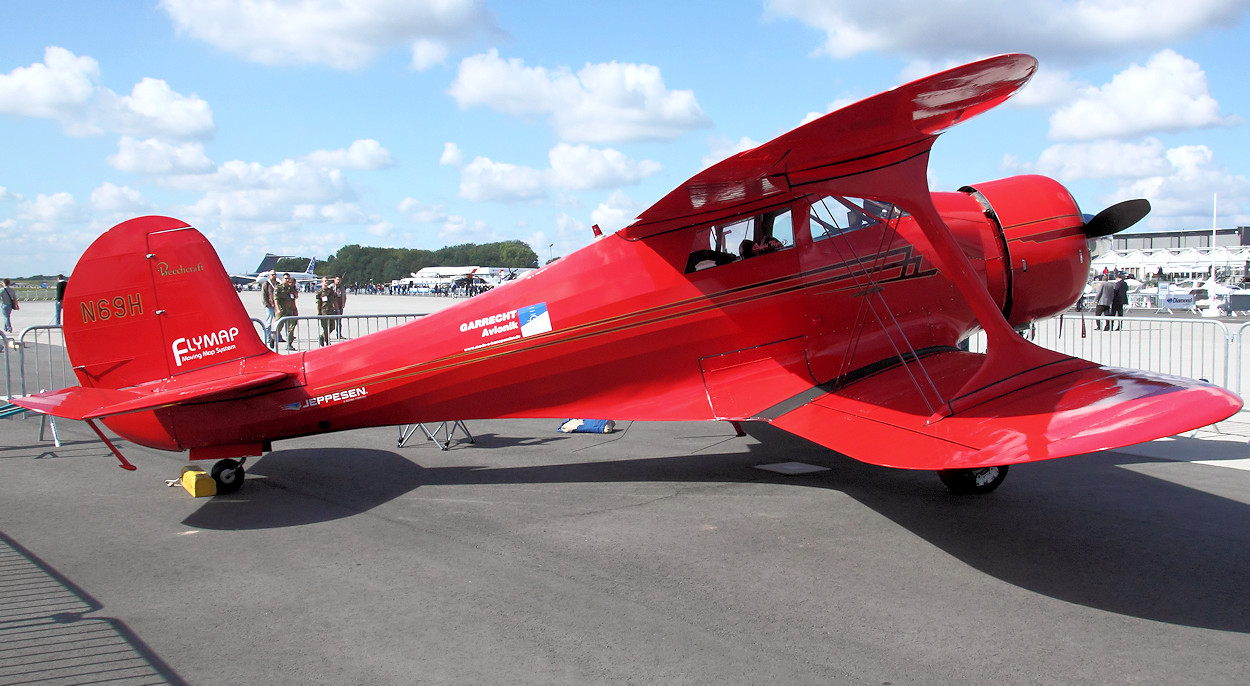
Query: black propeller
(1117, 218)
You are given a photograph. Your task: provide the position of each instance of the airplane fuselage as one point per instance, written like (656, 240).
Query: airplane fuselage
(622, 329)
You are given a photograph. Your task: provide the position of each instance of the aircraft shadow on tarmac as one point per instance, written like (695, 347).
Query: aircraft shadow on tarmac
(1084, 530)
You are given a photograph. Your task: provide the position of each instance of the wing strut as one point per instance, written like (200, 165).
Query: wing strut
(1009, 358)
(125, 464)
(903, 348)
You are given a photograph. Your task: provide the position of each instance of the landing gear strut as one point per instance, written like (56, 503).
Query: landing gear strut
(977, 481)
(229, 475)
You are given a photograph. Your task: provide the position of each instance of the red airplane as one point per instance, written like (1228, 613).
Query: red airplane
(813, 283)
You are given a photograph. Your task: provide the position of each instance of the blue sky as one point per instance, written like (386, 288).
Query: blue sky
(298, 127)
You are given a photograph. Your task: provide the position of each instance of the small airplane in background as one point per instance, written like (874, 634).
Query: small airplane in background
(270, 263)
(814, 283)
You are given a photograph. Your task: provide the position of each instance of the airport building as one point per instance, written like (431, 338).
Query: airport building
(1179, 254)
(1180, 240)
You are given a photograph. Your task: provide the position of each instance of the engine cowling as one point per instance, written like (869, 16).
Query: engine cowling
(1041, 237)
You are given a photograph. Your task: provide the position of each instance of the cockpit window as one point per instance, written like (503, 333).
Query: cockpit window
(833, 215)
(740, 239)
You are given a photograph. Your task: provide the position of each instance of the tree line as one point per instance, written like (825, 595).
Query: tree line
(363, 264)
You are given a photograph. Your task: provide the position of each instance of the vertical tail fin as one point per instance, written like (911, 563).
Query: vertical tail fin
(148, 300)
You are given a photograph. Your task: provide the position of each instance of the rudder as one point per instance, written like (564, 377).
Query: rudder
(149, 299)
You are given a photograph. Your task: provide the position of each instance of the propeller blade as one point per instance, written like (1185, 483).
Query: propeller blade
(1117, 218)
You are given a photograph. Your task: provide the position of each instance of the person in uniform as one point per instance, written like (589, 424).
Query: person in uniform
(340, 302)
(327, 305)
(284, 297)
(267, 288)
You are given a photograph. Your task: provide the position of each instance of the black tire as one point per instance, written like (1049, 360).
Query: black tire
(977, 481)
(229, 476)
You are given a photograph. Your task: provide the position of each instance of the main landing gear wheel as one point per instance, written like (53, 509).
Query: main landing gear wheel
(977, 481)
(229, 476)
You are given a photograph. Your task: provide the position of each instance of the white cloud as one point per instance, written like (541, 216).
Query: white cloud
(457, 229)
(1055, 29)
(427, 53)
(1048, 87)
(1170, 93)
(573, 168)
(58, 88)
(361, 154)
(1183, 195)
(452, 155)
(1103, 160)
(152, 156)
(421, 213)
(65, 87)
(602, 102)
(343, 213)
(117, 199)
(484, 179)
(344, 34)
(249, 191)
(154, 109)
(6, 194)
(615, 213)
(58, 208)
(581, 167)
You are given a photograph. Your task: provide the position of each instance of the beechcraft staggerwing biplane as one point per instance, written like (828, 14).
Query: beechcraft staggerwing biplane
(814, 283)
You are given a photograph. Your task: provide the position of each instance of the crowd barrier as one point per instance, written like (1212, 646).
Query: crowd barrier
(8, 368)
(1209, 349)
(308, 329)
(1193, 348)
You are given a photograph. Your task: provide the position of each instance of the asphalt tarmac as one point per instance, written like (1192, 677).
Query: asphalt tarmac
(659, 553)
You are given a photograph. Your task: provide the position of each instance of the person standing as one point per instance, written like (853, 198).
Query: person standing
(1106, 295)
(327, 303)
(61, 283)
(267, 288)
(284, 297)
(1119, 298)
(8, 303)
(340, 302)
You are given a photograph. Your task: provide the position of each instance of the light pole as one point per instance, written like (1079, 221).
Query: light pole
(551, 251)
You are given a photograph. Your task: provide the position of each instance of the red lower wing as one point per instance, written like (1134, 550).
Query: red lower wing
(884, 419)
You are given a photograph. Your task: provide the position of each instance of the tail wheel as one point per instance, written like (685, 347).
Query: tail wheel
(977, 481)
(229, 476)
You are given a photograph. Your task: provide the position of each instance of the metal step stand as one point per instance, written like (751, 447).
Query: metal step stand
(448, 432)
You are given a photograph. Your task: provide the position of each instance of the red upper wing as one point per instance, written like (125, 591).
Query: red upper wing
(892, 124)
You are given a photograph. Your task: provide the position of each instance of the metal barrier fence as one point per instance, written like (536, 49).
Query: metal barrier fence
(45, 347)
(1193, 348)
(308, 330)
(1188, 347)
(8, 370)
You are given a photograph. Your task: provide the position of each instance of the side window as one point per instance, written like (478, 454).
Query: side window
(834, 215)
(740, 239)
(711, 246)
(781, 227)
(733, 233)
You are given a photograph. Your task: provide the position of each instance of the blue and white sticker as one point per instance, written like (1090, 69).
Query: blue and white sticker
(534, 319)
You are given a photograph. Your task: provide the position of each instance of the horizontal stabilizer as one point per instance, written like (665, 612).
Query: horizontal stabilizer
(80, 403)
(1082, 407)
